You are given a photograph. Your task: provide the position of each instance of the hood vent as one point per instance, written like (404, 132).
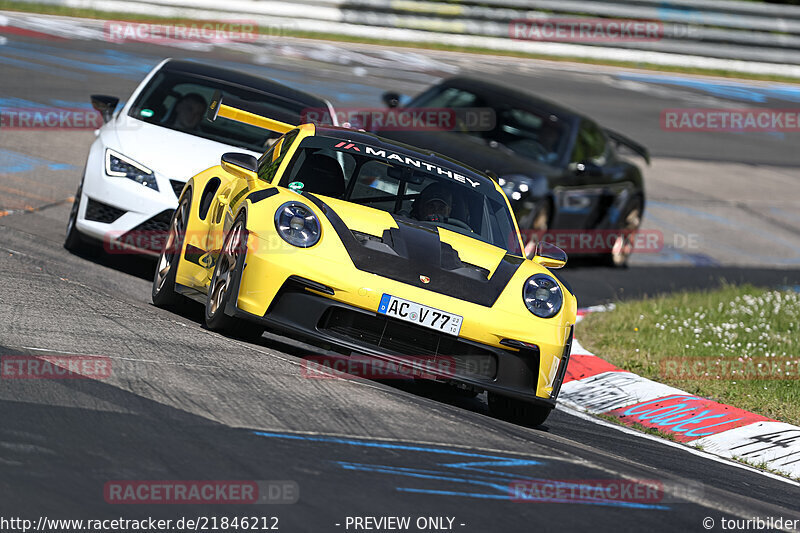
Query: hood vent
(412, 252)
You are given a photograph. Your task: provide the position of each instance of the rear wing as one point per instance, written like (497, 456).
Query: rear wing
(218, 109)
(621, 140)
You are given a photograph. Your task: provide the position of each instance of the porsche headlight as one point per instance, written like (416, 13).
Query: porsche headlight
(297, 224)
(119, 166)
(542, 296)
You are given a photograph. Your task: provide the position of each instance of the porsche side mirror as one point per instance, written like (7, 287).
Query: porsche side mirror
(243, 166)
(105, 105)
(549, 255)
(391, 99)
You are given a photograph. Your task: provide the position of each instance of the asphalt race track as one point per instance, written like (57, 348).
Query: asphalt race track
(183, 403)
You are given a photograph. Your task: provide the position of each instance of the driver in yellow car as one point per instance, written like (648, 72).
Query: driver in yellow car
(433, 204)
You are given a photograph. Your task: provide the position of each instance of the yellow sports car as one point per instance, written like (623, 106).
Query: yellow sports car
(376, 249)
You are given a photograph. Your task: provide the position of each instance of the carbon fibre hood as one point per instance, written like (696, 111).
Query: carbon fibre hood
(417, 255)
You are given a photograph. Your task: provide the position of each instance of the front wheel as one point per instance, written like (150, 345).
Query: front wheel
(163, 291)
(74, 241)
(227, 273)
(518, 411)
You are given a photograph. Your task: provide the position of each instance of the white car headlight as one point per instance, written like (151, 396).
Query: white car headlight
(119, 166)
(542, 296)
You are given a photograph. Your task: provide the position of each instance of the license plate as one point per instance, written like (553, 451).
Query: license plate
(419, 314)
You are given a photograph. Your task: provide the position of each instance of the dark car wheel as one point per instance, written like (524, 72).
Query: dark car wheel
(74, 241)
(622, 248)
(518, 411)
(227, 273)
(163, 291)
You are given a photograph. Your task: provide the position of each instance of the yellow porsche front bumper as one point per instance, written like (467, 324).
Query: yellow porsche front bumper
(319, 294)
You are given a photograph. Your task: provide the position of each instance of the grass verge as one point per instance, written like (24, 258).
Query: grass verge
(735, 345)
(11, 5)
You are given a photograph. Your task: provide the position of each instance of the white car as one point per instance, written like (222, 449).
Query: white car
(147, 150)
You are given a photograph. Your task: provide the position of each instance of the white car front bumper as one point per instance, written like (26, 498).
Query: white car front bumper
(113, 208)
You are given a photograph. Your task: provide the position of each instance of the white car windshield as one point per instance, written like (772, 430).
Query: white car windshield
(179, 100)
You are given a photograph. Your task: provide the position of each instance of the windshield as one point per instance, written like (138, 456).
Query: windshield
(179, 101)
(531, 133)
(404, 186)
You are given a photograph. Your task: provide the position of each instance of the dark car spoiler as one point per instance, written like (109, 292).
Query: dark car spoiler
(622, 140)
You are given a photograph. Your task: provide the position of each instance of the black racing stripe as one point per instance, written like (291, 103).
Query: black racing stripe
(564, 282)
(420, 244)
(418, 252)
(263, 194)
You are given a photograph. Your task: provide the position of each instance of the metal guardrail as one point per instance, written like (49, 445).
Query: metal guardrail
(736, 34)
(723, 29)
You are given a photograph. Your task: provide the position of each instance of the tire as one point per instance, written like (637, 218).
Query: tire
(227, 272)
(518, 411)
(623, 247)
(163, 292)
(74, 241)
(539, 222)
